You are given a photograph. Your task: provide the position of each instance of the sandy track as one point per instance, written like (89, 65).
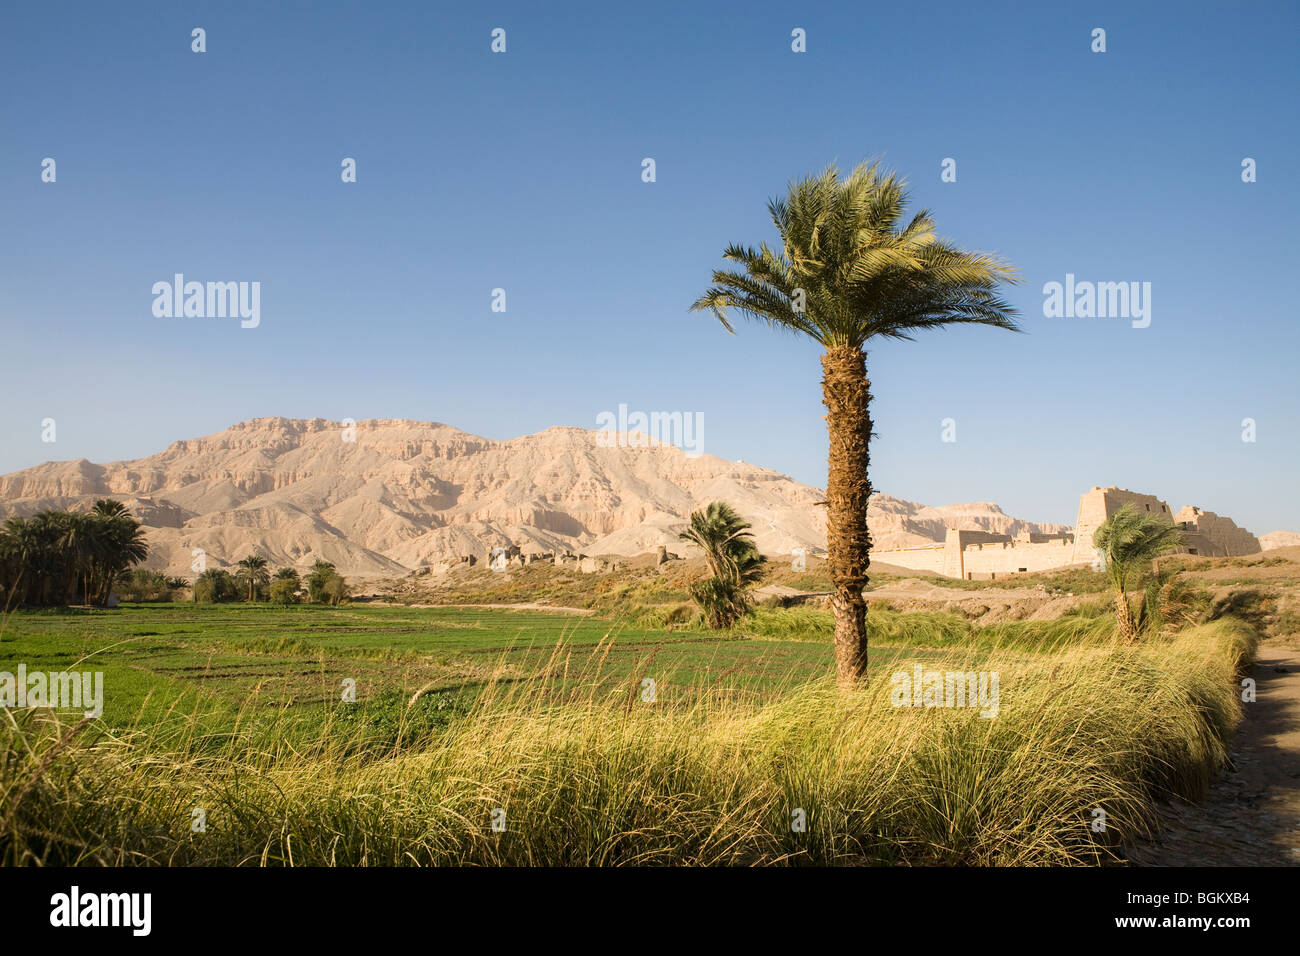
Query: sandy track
(1252, 815)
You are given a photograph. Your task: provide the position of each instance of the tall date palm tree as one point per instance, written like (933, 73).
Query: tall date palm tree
(851, 269)
(253, 570)
(119, 543)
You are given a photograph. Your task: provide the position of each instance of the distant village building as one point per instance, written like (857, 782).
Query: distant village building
(984, 555)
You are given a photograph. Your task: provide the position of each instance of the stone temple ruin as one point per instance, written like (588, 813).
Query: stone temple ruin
(983, 555)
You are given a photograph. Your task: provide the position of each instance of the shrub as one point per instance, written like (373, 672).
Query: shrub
(660, 616)
(144, 585)
(215, 585)
(284, 591)
(324, 585)
(722, 600)
(334, 590)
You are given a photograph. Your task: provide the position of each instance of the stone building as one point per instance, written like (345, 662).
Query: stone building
(984, 555)
(1204, 532)
(1098, 504)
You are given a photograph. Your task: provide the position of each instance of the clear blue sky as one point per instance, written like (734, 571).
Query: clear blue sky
(523, 171)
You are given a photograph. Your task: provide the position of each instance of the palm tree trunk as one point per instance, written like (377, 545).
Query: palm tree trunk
(1128, 632)
(847, 395)
(106, 586)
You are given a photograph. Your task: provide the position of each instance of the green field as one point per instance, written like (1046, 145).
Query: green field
(225, 659)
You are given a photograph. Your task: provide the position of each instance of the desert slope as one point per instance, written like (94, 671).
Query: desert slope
(402, 494)
(1279, 539)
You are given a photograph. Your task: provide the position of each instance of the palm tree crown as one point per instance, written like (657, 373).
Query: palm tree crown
(728, 546)
(1130, 540)
(850, 269)
(253, 570)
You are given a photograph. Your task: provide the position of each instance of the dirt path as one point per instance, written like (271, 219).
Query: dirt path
(1252, 815)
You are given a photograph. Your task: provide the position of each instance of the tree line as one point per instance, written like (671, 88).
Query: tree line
(253, 581)
(60, 558)
(68, 557)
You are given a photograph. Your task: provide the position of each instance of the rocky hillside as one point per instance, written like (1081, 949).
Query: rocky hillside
(392, 495)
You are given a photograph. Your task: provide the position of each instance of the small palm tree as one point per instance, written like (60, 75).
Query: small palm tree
(1129, 540)
(253, 569)
(733, 560)
(850, 269)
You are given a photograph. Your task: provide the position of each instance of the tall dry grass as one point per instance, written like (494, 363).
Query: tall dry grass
(586, 777)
